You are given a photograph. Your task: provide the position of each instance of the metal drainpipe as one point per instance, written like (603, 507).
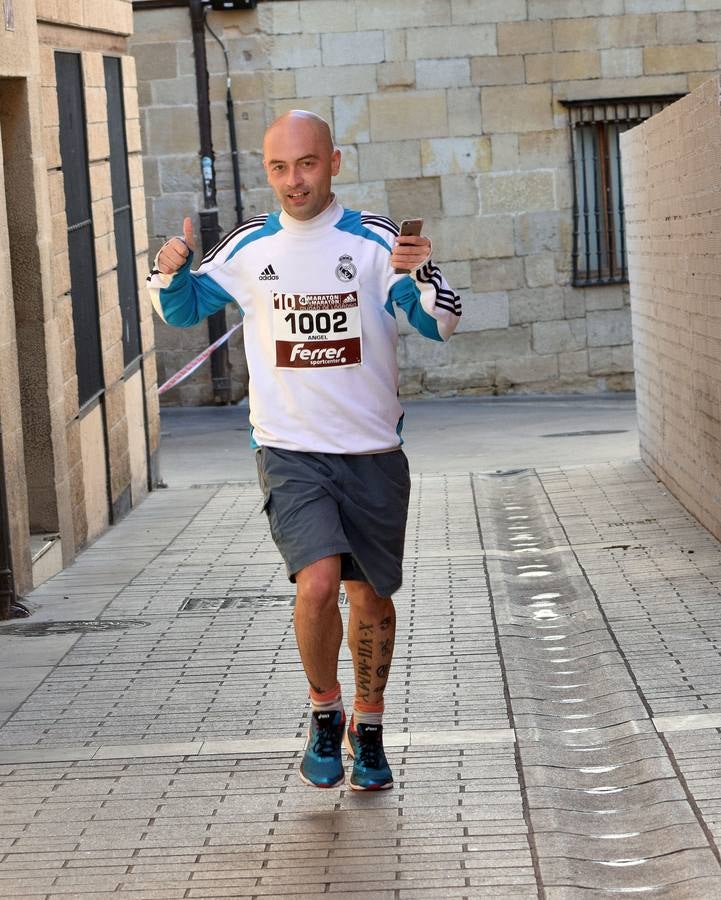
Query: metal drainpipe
(209, 226)
(230, 116)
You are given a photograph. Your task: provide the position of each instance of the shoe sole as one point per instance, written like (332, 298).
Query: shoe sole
(322, 787)
(357, 787)
(375, 787)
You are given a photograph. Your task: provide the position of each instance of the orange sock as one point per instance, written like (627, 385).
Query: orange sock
(367, 713)
(326, 700)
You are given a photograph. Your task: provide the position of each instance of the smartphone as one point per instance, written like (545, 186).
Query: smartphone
(408, 227)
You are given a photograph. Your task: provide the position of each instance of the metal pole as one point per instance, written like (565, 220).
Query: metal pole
(209, 226)
(234, 156)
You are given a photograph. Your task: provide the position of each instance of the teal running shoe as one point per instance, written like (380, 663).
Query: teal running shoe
(322, 765)
(371, 771)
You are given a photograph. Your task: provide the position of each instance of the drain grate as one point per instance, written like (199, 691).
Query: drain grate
(221, 604)
(77, 626)
(586, 433)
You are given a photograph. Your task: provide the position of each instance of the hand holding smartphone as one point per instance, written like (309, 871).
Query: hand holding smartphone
(409, 227)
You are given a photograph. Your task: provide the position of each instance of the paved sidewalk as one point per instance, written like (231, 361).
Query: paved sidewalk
(554, 712)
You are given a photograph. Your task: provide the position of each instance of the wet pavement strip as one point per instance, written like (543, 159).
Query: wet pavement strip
(606, 808)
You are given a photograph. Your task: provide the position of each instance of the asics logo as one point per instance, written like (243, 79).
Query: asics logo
(268, 274)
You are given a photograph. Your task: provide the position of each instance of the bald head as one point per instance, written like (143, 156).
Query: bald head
(305, 120)
(300, 159)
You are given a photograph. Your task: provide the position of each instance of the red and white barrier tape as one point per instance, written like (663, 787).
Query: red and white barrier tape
(190, 367)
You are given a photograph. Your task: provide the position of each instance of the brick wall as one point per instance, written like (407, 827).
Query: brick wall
(449, 109)
(671, 177)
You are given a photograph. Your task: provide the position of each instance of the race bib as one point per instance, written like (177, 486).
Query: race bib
(316, 331)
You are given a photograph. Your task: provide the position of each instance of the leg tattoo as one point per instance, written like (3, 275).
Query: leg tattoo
(371, 636)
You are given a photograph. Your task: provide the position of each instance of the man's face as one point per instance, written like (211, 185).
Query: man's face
(299, 163)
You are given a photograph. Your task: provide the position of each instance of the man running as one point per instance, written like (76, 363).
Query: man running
(318, 291)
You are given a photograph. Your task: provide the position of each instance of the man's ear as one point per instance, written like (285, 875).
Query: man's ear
(335, 161)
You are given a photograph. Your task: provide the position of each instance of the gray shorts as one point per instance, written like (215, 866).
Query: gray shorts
(323, 504)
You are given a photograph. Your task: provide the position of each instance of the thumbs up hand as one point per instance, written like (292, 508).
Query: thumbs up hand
(174, 253)
(188, 235)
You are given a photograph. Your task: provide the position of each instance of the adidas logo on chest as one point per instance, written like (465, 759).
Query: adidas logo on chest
(268, 274)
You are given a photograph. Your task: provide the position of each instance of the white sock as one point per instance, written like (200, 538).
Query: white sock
(327, 701)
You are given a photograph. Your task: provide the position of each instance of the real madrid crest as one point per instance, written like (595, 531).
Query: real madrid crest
(345, 270)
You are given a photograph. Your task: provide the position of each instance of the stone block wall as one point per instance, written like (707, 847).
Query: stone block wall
(671, 167)
(448, 109)
(12, 455)
(34, 470)
(68, 471)
(87, 522)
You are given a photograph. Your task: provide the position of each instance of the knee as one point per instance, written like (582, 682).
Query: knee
(316, 591)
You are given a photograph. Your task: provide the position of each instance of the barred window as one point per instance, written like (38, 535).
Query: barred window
(599, 236)
(81, 238)
(122, 210)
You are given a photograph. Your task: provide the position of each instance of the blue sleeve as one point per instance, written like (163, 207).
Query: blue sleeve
(406, 295)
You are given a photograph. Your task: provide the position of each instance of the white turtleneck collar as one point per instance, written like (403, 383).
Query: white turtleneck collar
(325, 219)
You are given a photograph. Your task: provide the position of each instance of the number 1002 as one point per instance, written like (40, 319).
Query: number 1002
(319, 322)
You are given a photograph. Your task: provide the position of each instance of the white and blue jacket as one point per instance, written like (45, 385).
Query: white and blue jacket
(295, 280)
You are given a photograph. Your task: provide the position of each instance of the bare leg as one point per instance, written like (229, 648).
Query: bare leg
(371, 636)
(318, 624)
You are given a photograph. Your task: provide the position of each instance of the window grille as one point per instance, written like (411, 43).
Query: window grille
(81, 240)
(122, 210)
(599, 235)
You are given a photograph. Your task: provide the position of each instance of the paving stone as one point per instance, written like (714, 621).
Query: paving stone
(671, 839)
(690, 889)
(616, 874)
